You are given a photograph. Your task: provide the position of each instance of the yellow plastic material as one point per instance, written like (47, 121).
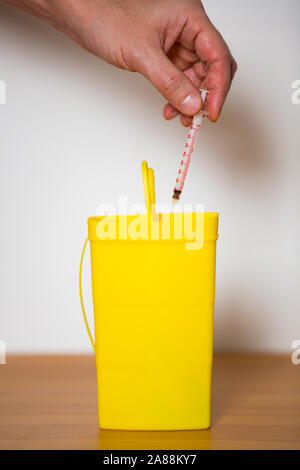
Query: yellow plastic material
(153, 312)
(81, 297)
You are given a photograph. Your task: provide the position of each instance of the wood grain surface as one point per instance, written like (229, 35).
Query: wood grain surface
(49, 402)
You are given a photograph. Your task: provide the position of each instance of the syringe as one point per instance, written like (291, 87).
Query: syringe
(188, 150)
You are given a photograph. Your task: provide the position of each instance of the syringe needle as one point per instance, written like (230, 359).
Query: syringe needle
(174, 201)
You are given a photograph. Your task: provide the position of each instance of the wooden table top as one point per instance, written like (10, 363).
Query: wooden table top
(49, 402)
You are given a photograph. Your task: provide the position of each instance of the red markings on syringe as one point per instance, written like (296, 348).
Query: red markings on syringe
(189, 147)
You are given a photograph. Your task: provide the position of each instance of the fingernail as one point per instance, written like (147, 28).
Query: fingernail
(191, 104)
(185, 120)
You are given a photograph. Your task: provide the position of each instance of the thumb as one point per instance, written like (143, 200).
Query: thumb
(171, 82)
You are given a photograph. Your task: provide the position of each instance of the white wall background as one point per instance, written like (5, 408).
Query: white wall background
(60, 158)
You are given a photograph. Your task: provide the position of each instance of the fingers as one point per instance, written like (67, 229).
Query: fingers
(169, 112)
(233, 69)
(182, 57)
(171, 82)
(220, 66)
(217, 81)
(186, 121)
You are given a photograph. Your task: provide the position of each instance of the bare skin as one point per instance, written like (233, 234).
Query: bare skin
(171, 42)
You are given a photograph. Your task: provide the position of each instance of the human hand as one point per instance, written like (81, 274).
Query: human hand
(171, 42)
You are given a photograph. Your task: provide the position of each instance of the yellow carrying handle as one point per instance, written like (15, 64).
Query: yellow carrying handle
(81, 298)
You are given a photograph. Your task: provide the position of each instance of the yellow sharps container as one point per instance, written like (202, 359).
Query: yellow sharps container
(153, 295)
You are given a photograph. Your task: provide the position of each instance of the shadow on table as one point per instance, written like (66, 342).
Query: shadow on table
(150, 440)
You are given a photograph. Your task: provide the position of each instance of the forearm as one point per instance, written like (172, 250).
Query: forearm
(63, 15)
